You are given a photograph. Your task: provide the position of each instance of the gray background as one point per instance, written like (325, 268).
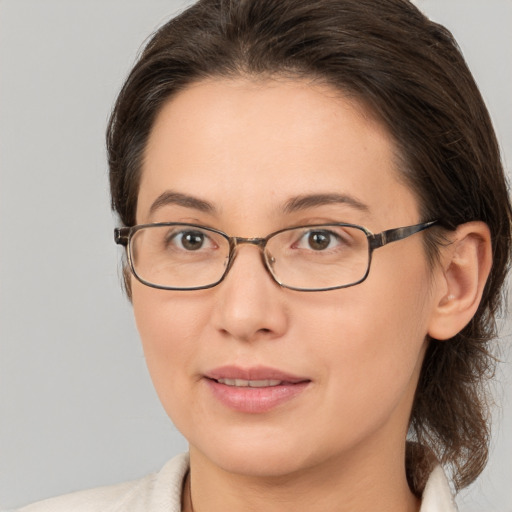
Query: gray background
(77, 408)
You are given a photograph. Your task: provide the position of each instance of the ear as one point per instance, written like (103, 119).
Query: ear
(465, 264)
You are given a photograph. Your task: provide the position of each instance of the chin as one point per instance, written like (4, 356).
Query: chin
(258, 463)
(260, 457)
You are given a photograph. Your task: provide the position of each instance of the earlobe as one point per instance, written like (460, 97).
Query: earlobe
(465, 266)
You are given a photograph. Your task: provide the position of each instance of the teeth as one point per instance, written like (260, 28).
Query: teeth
(242, 383)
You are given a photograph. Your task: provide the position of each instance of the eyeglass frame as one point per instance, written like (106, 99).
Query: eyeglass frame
(123, 236)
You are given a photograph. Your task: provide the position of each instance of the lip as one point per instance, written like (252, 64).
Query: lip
(254, 399)
(254, 373)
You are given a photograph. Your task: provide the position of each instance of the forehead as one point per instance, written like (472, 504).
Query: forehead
(243, 144)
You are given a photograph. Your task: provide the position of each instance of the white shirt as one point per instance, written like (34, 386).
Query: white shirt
(161, 492)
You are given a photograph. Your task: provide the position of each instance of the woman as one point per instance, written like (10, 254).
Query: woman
(318, 229)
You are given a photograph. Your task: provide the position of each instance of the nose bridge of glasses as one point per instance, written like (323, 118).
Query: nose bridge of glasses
(238, 240)
(267, 259)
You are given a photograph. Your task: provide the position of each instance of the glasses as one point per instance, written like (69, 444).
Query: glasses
(181, 256)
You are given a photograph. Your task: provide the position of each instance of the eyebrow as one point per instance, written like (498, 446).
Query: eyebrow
(169, 197)
(294, 204)
(310, 201)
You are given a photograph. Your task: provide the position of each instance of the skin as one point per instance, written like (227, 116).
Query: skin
(247, 148)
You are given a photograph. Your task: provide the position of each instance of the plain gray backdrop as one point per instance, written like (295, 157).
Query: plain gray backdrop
(77, 408)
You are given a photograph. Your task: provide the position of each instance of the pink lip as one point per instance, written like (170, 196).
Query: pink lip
(254, 400)
(256, 373)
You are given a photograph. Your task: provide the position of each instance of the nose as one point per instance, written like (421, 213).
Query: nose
(249, 304)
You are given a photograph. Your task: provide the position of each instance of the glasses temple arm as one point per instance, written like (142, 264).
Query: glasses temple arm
(393, 235)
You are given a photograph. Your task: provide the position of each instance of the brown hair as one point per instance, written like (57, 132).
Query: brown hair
(411, 74)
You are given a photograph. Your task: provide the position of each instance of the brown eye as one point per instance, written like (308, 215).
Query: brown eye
(319, 240)
(188, 239)
(191, 240)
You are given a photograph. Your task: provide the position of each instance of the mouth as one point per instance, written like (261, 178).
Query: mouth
(242, 383)
(254, 390)
(258, 376)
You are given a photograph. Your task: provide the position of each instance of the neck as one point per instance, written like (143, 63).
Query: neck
(350, 485)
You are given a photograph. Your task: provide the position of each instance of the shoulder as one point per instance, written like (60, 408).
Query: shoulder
(437, 496)
(157, 492)
(90, 500)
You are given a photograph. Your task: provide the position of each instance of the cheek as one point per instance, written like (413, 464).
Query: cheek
(169, 328)
(373, 343)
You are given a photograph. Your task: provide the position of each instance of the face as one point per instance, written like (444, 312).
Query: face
(345, 361)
